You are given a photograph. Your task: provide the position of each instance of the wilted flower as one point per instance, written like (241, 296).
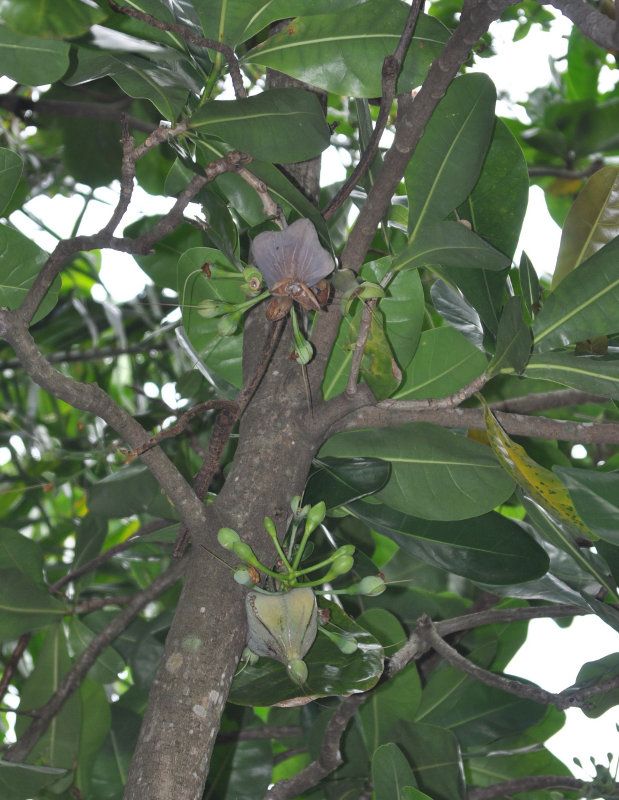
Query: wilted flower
(292, 261)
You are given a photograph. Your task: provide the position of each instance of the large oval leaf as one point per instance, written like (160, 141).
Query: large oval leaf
(585, 303)
(338, 481)
(331, 672)
(10, 172)
(280, 125)
(596, 498)
(448, 159)
(391, 772)
(490, 548)
(435, 474)
(25, 605)
(20, 262)
(345, 55)
(597, 374)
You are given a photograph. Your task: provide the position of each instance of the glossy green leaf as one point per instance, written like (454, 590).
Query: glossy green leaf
(107, 666)
(448, 159)
(483, 289)
(539, 483)
(594, 672)
(58, 747)
(435, 757)
(25, 605)
(494, 767)
(435, 474)
(592, 222)
(584, 305)
(497, 205)
(11, 166)
(112, 764)
(279, 125)
(161, 264)
(529, 284)
(330, 672)
(391, 772)
(221, 354)
(455, 309)
(49, 18)
(410, 793)
(94, 731)
(444, 362)
(21, 261)
(513, 344)
(489, 548)
(21, 554)
(595, 126)
(338, 481)
(476, 714)
(584, 61)
(400, 313)
(348, 59)
(596, 498)
(449, 244)
(29, 60)
(240, 768)
(19, 781)
(167, 83)
(597, 374)
(128, 491)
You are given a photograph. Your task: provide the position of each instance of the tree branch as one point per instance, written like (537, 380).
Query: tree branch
(570, 174)
(589, 21)
(569, 698)
(20, 750)
(529, 784)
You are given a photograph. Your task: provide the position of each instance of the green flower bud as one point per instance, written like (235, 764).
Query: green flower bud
(249, 656)
(228, 324)
(371, 586)
(341, 565)
(269, 526)
(304, 351)
(244, 552)
(242, 576)
(228, 538)
(315, 516)
(345, 550)
(210, 308)
(297, 669)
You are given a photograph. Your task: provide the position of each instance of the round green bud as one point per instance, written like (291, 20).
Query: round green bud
(315, 516)
(297, 669)
(228, 538)
(346, 643)
(249, 656)
(341, 565)
(345, 550)
(228, 324)
(269, 527)
(209, 308)
(371, 586)
(242, 576)
(304, 350)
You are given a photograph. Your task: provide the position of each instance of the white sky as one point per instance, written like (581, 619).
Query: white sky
(552, 655)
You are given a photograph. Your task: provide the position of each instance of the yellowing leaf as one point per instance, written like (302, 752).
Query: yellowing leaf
(539, 483)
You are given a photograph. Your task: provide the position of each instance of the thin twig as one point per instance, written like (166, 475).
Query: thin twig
(570, 698)
(569, 174)
(431, 403)
(11, 664)
(391, 69)
(189, 36)
(269, 206)
(71, 681)
(531, 783)
(365, 325)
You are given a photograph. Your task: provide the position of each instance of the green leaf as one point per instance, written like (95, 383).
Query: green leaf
(436, 474)
(330, 671)
(25, 605)
(21, 260)
(483, 289)
(584, 61)
(221, 354)
(21, 554)
(347, 59)
(338, 481)
(449, 244)
(529, 284)
(596, 498)
(391, 772)
(584, 305)
(107, 666)
(513, 344)
(592, 222)
(128, 491)
(597, 374)
(489, 548)
(279, 125)
(444, 362)
(435, 757)
(592, 673)
(497, 205)
(20, 781)
(49, 18)
(476, 714)
(112, 764)
(94, 731)
(58, 747)
(31, 61)
(493, 767)
(11, 166)
(448, 159)
(166, 85)
(455, 309)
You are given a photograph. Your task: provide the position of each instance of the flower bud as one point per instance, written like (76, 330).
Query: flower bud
(228, 538)
(244, 552)
(371, 586)
(228, 324)
(345, 550)
(209, 308)
(341, 565)
(315, 516)
(242, 576)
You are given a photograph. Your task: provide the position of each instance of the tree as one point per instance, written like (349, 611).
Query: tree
(418, 408)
